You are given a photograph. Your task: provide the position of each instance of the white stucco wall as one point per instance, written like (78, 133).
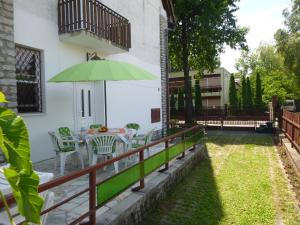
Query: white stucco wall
(36, 27)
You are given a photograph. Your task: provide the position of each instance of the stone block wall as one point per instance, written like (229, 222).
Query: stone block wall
(7, 53)
(164, 70)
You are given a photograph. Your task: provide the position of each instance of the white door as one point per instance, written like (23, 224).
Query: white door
(84, 104)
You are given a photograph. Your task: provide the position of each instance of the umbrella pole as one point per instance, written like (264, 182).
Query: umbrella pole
(105, 103)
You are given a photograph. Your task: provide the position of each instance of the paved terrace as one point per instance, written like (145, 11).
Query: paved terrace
(78, 206)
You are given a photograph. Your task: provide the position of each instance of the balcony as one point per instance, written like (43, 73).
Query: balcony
(91, 24)
(211, 88)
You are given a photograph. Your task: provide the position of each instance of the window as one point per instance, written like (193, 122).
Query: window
(155, 115)
(28, 75)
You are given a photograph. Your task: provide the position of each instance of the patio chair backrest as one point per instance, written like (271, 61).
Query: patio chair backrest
(133, 126)
(149, 136)
(130, 134)
(95, 126)
(54, 141)
(65, 133)
(103, 144)
(59, 145)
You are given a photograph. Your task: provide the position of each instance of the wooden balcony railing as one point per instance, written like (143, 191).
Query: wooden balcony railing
(96, 18)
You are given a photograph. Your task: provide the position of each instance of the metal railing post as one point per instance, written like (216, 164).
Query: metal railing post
(92, 196)
(142, 172)
(167, 157)
(183, 153)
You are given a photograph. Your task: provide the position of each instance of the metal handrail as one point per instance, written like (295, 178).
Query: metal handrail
(91, 171)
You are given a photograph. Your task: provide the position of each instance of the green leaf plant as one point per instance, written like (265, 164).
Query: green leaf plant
(14, 143)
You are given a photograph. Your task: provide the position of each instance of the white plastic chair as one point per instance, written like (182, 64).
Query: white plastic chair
(103, 146)
(142, 140)
(64, 148)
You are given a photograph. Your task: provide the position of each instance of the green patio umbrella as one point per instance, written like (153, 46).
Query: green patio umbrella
(106, 70)
(102, 70)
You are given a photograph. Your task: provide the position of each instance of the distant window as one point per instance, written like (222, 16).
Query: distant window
(28, 75)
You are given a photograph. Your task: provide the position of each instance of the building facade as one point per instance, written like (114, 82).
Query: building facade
(39, 39)
(214, 86)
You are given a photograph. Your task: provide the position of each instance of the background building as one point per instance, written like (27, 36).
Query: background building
(214, 86)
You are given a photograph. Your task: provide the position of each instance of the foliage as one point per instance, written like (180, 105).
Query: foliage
(258, 93)
(14, 142)
(198, 98)
(240, 192)
(249, 100)
(180, 101)
(202, 29)
(243, 97)
(275, 78)
(173, 103)
(2, 98)
(233, 99)
(288, 39)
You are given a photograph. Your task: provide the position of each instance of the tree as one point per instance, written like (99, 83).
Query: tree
(173, 103)
(275, 77)
(198, 98)
(258, 93)
(180, 101)
(233, 99)
(244, 92)
(249, 101)
(202, 29)
(288, 40)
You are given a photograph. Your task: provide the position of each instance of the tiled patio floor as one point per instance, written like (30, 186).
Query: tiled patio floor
(78, 206)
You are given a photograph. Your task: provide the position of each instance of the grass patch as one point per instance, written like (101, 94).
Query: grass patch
(241, 182)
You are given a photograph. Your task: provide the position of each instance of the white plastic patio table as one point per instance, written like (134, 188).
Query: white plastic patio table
(6, 189)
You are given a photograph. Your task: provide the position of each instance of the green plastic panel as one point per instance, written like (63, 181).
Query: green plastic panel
(175, 150)
(155, 161)
(118, 183)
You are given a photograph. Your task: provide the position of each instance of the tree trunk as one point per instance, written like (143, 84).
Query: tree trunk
(186, 70)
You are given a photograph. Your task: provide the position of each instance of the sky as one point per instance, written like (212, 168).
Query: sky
(263, 18)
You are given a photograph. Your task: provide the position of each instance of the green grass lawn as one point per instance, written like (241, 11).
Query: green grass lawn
(241, 182)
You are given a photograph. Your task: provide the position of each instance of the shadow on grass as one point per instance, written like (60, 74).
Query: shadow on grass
(193, 201)
(225, 137)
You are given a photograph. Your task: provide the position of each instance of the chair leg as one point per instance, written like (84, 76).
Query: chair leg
(62, 157)
(55, 161)
(81, 159)
(94, 159)
(116, 164)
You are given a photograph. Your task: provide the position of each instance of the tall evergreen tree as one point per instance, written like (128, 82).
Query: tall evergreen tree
(249, 101)
(180, 101)
(173, 103)
(244, 92)
(198, 98)
(202, 29)
(258, 92)
(233, 99)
